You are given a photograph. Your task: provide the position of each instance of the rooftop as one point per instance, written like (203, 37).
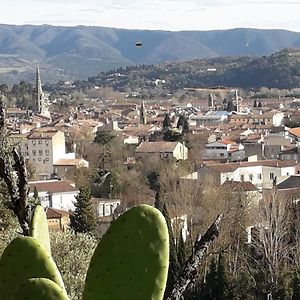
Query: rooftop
(156, 147)
(52, 186)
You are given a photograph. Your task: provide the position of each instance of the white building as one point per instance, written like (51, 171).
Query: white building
(224, 149)
(58, 194)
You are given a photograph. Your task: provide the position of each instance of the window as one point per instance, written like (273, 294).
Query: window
(47, 152)
(34, 152)
(259, 176)
(242, 177)
(40, 152)
(33, 142)
(39, 159)
(250, 177)
(47, 159)
(271, 175)
(47, 143)
(221, 154)
(40, 142)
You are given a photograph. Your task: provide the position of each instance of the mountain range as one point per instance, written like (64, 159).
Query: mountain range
(67, 53)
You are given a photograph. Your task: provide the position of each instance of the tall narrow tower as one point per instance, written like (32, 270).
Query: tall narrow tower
(143, 117)
(41, 104)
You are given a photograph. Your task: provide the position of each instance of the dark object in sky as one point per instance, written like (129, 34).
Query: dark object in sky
(138, 44)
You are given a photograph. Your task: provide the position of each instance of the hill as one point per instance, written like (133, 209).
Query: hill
(82, 51)
(279, 70)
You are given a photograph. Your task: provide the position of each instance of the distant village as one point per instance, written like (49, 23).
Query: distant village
(245, 145)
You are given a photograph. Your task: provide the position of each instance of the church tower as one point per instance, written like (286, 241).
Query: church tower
(143, 117)
(41, 104)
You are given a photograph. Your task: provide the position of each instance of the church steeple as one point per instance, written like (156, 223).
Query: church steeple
(143, 118)
(41, 105)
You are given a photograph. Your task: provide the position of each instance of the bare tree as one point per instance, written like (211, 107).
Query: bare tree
(271, 243)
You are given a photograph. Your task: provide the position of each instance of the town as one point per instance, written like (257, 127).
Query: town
(215, 153)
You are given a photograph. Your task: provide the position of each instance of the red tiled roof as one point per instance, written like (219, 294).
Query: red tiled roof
(239, 186)
(295, 131)
(52, 186)
(42, 134)
(156, 147)
(53, 213)
(68, 162)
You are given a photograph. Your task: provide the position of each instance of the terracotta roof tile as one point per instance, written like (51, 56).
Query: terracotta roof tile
(156, 147)
(52, 186)
(53, 213)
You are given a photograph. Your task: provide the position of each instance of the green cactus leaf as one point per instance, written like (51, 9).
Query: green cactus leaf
(39, 289)
(39, 228)
(22, 259)
(131, 261)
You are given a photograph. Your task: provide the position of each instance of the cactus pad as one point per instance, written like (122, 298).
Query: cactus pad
(131, 261)
(22, 259)
(39, 289)
(39, 228)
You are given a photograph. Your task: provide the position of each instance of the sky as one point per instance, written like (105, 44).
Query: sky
(156, 14)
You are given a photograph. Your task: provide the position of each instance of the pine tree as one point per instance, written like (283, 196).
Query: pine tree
(84, 218)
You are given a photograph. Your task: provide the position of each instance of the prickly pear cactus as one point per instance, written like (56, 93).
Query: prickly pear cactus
(22, 259)
(39, 289)
(131, 261)
(39, 228)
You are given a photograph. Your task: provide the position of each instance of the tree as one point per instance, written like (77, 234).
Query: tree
(216, 284)
(174, 266)
(72, 253)
(271, 248)
(166, 122)
(84, 218)
(183, 124)
(255, 103)
(259, 104)
(103, 138)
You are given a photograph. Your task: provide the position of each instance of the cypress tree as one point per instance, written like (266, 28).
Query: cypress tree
(166, 122)
(84, 218)
(174, 267)
(181, 255)
(216, 286)
(255, 103)
(296, 286)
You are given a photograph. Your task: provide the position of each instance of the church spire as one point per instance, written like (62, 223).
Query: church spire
(143, 118)
(41, 106)
(38, 91)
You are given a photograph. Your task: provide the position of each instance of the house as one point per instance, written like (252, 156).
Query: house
(107, 207)
(57, 194)
(261, 173)
(57, 219)
(225, 150)
(42, 148)
(161, 150)
(248, 192)
(66, 166)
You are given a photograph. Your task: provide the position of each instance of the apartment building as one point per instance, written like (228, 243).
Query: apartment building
(42, 148)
